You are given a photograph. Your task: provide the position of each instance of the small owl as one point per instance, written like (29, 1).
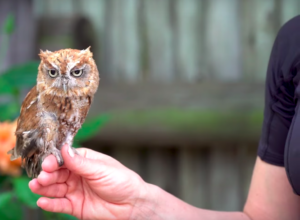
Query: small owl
(54, 110)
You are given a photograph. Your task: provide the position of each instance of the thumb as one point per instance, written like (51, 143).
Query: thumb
(78, 164)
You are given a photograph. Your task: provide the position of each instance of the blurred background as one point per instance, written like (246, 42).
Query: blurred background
(181, 94)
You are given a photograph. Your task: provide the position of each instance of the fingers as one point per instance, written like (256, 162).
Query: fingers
(88, 168)
(61, 205)
(50, 164)
(59, 176)
(55, 190)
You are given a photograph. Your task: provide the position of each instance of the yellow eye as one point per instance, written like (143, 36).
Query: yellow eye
(76, 73)
(53, 73)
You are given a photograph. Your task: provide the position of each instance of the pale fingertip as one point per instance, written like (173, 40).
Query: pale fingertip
(50, 164)
(42, 202)
(41, 175)
(71, 152)
(42, 178)
(32, 183)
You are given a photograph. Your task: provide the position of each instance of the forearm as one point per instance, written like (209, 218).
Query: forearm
(162, 205)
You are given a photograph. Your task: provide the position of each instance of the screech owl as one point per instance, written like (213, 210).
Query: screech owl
(54, 110)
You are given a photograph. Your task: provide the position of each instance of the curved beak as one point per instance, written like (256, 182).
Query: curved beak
(65, 81)
(65, 87)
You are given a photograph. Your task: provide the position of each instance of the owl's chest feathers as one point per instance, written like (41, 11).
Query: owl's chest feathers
(68, 111)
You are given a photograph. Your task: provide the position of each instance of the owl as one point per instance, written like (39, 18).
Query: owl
(54, 110)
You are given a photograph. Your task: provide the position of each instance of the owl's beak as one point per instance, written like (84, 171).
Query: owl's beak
(65, 87)
(65, 81)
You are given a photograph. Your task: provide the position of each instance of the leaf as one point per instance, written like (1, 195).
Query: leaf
(9, 111)
(90, 128)
(9, 24)
(21, 75)
(23, 192)
(5, 87)
(2, 179)
(58, 216)
(66, 217)
(9, 208)
(76, 145)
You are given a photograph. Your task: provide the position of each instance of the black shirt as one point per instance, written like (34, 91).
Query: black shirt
(280, 140)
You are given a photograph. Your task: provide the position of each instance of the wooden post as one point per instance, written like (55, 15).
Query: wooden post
(159, 39)
(162, 169)
(223, 40)
(122, 49)
(188, 40)
(224, 180)
(194, 183)
(129, 157)
(260, 25)
(21, 44)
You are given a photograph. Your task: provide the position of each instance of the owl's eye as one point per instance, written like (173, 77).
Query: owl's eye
(76, 73)
(53, 73)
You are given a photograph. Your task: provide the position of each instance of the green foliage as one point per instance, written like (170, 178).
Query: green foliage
(58, 216)
(14, 191)
(21, 76)
(9, 24)
(9, 207)
(9, 111)
(23, 193)
(90, 128)
(2, 179)
(5, 87)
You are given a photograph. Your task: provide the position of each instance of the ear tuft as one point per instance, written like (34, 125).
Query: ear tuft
(44, 54)
(87, 51)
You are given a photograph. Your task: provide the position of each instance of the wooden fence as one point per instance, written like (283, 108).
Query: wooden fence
(179, 40)
(182, 81)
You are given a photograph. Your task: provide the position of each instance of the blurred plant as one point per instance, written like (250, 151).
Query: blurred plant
(14, 191)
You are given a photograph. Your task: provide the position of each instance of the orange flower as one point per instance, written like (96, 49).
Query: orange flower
(7, 142)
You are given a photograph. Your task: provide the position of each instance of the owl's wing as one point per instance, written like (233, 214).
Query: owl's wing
(27, 124)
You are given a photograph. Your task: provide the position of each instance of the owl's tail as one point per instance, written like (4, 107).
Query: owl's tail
(33, 165)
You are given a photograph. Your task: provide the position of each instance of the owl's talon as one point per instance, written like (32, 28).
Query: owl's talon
(58, 156)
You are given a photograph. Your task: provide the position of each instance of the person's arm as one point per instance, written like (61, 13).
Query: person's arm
(160, 205)
(271, 195)
(95, 186)
(270, 198)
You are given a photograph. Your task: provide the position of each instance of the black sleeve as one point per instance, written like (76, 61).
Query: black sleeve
(292, 148)
(279, 112)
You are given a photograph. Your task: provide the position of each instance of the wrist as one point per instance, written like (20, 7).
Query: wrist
(146, 205)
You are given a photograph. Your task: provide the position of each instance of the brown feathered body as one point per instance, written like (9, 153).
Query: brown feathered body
(54, 110)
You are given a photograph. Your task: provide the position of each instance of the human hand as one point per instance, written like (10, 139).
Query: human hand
(90, 185)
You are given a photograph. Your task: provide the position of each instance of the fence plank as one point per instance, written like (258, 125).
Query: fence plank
(21, 44)
(54, 7)
(193, 169)
(261, 25)
(121, 41)
(223, 40)
(188, 39)
(162, 169)
(224, 177)
(129, 157)
(159, 39)
(129, 50)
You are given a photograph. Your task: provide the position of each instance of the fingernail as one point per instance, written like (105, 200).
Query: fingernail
(71, 152)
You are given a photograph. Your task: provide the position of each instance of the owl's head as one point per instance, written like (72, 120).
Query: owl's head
(67, 72)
